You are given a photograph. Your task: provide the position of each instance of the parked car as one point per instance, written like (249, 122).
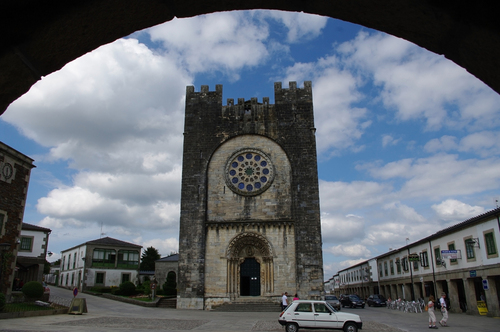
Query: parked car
(376, 300)
(310, 314)
(352, 301)
(333, 301)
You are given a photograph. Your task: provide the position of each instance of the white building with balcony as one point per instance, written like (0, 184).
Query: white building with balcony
(103, 262)
(462, 261)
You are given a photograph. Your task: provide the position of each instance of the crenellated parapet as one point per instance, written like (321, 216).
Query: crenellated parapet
(293, 94)
(251, 116)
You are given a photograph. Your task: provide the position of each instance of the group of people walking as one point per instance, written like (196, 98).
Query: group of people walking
(431, 309)
(284, 300)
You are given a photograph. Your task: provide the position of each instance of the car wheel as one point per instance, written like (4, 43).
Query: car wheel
(291, 327)
(362, 307)
(350, 327)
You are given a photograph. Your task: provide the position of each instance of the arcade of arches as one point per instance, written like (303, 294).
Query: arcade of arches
(40, 37)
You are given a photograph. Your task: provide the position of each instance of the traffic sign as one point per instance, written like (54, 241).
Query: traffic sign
(486, 286)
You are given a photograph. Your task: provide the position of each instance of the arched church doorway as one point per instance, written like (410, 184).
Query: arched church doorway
(250, 270)
(250, 277)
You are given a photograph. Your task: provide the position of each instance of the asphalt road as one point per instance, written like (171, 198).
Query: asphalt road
(108, 315)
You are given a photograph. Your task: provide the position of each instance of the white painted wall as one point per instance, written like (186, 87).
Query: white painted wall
(37, 246)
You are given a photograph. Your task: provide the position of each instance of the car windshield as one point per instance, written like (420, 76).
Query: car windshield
(330, 298)
(381, 298)
(354, 298)
(330, 307)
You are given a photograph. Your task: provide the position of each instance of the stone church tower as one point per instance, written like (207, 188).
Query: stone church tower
(250, 219)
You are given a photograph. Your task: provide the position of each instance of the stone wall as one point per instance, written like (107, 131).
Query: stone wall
(285, 130)
(273, 204)
(15, 170)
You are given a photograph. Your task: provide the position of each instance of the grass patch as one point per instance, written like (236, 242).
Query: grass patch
(143, 299)
(16, 307)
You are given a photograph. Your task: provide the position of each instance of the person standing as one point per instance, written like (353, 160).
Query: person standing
(432, 315)
(284, 301)
(444, 310)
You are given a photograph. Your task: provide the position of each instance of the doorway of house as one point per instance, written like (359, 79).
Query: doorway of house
(250, 277)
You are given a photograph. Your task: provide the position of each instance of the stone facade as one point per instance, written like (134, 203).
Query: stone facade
(15, 170)
(250, 219)
(164, 266)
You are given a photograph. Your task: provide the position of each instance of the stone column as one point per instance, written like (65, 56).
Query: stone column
(453, 296)
(407, 292)
(418, 290)
(394, 291)
(492, 298)
(439, 289)
(470, 295)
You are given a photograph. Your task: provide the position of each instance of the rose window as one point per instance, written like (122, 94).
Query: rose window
(249, 172)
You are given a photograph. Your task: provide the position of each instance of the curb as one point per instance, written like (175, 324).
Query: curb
(24, 314)
(131, 301)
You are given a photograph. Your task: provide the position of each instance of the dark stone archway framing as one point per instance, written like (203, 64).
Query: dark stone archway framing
(249, 245)
(40, 37)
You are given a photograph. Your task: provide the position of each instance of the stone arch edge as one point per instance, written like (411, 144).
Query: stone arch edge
(37, 45)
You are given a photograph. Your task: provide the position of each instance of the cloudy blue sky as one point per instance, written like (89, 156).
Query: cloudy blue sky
(408, 142)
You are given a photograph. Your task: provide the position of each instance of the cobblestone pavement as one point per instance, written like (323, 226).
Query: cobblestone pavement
(367, 327)
(105, 315)
(151, 324)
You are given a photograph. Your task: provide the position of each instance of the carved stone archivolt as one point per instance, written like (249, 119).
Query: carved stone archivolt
(245, 243)
(249, 245)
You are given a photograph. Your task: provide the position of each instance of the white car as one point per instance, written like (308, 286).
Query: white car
(317, 315)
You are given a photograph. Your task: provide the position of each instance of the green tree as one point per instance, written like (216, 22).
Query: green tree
(170, 286)
(46, 267)
(148, 258)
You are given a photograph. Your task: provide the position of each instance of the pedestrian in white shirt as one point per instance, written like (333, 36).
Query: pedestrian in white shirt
(444, 310)
(284, 301)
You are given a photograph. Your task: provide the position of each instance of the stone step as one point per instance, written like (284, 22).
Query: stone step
(167, 303)
(248, 307)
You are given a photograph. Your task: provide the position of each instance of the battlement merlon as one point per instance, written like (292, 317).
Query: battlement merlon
(204, 96)
(281, 94)
(293, 94)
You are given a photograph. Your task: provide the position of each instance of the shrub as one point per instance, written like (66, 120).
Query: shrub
(101, 289)
(116, 291)
(127, 288)
(146, 285)
(32, 290)
(2, 301)
(170, 286)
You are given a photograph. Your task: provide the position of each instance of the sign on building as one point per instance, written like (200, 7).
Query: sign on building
(413, 258)
(451, 254)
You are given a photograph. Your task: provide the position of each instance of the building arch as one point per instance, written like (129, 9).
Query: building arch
(33, 46)
(247, 240)
(249, 245)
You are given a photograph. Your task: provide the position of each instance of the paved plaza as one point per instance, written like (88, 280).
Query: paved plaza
(108, 315)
